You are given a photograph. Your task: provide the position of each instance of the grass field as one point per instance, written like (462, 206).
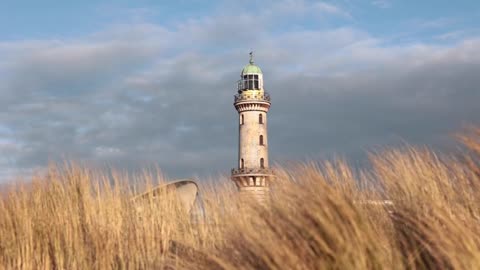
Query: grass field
(321, 217)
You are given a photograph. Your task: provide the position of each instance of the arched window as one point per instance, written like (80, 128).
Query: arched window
(242, 164)
(262, 163)
(261, 139)
(241, 119)
(260, 118)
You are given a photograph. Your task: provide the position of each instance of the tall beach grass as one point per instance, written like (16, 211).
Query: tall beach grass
(322, 215)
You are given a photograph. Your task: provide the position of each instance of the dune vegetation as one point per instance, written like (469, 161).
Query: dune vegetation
(322, 215)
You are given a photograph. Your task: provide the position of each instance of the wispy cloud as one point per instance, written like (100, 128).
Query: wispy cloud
(323, 7)
(382, 3)
(300, 8)
(452, 35)
(434, 23)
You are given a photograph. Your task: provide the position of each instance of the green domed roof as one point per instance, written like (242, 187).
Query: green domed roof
(251, 67)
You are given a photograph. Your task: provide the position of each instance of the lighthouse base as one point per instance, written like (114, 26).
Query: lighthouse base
(253, 183)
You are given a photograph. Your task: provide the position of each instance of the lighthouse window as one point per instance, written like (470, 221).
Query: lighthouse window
(242, 164)
(250, 81)
(250, 84)
(241, 119)
(262, 163)
(261, 139)
(260, 118)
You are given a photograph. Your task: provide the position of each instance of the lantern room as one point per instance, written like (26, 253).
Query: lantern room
(251, 77)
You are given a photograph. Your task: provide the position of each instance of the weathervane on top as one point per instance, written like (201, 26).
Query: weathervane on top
(251, 58)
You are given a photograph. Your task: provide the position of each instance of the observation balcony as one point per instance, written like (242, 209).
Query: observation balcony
(252, 172)
(265, 97)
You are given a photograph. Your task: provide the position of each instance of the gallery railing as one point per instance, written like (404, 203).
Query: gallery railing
(263, 171)
(244, 97)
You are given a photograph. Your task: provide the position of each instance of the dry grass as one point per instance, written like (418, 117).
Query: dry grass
(321, 217)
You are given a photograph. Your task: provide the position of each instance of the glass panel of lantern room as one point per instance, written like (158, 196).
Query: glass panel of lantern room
(256, 85)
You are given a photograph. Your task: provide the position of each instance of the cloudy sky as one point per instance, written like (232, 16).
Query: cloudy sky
(137, 83)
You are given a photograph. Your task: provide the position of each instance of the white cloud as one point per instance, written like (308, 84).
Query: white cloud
(323, 7)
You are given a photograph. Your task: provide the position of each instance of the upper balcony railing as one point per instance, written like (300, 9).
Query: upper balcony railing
(253, 96)
(261, 171)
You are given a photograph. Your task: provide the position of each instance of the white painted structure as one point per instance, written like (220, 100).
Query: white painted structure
(253, 176)
(186, 191)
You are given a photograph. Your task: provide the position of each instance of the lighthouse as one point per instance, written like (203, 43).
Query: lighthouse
(252, 176)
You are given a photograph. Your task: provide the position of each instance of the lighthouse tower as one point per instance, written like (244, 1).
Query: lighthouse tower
(253, 176)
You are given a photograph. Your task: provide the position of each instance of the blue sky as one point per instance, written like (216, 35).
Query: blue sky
(407, 19)
(135, 83)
